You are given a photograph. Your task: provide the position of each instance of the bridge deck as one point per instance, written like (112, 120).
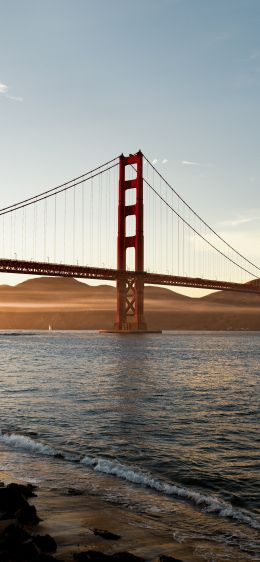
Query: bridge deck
(84, 272)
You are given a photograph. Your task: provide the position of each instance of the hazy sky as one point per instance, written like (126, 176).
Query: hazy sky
(82, 81)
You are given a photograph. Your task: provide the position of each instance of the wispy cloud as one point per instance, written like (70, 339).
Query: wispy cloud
(190, 163)
(157, 161)
(246, 242)
(4, 89)
(241, 220)
(15, 98)
(197, 164)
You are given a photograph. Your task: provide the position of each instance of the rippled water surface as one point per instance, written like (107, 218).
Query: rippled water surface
(165, 424)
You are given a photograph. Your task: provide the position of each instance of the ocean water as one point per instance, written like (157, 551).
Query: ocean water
(167, 425)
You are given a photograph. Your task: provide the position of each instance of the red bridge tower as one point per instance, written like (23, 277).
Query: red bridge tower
(130, 289)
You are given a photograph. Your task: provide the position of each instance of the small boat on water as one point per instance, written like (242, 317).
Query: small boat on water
(50, 328)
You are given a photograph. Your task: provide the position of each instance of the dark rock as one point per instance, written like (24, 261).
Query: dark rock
(4, 524)
(74, 492)
(126, 557)
(29, 551)
(106, 535)
(4, 516)
(1, 484)
(15, 534)
(45, 543)
(165, 558)
(27, 515)
(5, 556)
(46, 558)
(11, 499)
(26, 490)
(91, 556)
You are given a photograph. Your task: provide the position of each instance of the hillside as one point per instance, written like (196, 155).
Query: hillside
(66, 303)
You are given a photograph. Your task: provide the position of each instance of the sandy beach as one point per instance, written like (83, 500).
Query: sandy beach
(72, 518)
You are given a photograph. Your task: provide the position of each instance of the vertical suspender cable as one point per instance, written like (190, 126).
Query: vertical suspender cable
(64, 226)
(3, 235)
(82, 222)
(15, 253)
(91, 221)
(109, 220)
(44, 228)
(55, 218)
(178, 218)
(73, 236)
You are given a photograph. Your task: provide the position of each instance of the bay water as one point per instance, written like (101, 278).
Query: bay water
(166, 425)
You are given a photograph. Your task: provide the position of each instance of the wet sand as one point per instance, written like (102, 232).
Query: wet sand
(71, 519)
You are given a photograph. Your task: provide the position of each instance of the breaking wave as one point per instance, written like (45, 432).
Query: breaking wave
(209, 503)
(28, 444)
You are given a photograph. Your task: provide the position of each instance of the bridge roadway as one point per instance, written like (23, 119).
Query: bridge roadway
(85, 272)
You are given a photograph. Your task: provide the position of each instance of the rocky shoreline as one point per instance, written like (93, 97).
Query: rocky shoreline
(18, 520)
(20, 541)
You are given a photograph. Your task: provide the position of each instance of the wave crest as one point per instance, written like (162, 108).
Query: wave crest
(210, 504)
(24, 442)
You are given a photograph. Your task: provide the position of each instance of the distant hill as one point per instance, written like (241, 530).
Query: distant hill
(232, 298)
(66, 303)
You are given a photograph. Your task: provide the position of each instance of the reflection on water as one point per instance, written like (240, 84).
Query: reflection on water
(161, 413)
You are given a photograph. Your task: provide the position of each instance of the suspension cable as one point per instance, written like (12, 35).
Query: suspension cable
(198, 216)
(200, 235)
(48, 191)
(40, 197)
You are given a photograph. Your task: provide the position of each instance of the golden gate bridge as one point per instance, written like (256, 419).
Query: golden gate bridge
(123, 222)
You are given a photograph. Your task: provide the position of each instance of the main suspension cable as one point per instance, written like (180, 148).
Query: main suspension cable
(200, 235)
(40, 196)
(198, 216)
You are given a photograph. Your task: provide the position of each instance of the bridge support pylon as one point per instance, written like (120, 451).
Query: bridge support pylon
(130, 289)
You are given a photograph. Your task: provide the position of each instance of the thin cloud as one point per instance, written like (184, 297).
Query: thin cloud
(3, 88)
(156, 161)
(239, 221)
(190, 163)
(247, 243)
(15, 98)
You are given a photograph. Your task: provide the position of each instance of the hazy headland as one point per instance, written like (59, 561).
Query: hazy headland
(68, 304)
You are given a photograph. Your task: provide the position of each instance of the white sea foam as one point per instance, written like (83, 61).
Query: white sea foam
(24, 442)
(209, 503)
